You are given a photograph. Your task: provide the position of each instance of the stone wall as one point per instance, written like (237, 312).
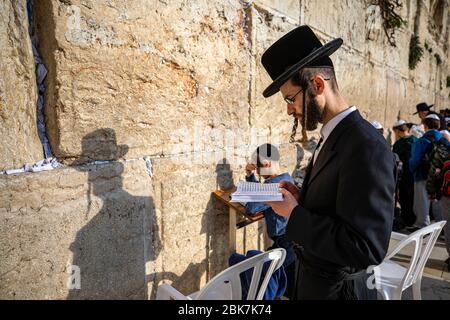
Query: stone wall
(181, 83)
(99, 218)
(374, 75)
(125, 231)
(18, 92)
(146, 67)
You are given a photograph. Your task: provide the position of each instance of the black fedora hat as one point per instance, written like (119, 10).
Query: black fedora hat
(297, 49)
(423, 107)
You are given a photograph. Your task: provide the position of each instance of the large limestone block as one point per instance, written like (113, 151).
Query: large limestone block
(375, 35)
(328, 17)
(144, 68)
(425, 72)
(377, 44)
(421, 94)
(18, 130)
(397, 58)
(443, 95)
(269, 120)
(396, 99)
(362, 84)
(192, 220)
(287, 8)
(98, 218)
(184, 265)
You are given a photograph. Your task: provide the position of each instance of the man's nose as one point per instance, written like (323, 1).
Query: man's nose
(289, 109)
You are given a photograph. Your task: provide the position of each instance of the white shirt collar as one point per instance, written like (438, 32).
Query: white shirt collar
(329, 127)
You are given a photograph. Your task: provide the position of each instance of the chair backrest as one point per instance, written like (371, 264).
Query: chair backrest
(227, 284)
(424, 240)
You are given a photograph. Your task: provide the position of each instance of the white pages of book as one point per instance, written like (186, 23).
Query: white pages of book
(256, 192)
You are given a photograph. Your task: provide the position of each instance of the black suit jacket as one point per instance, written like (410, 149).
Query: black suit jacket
(345, 214)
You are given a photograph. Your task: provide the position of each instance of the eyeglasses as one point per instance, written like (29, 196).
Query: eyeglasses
(291, 100)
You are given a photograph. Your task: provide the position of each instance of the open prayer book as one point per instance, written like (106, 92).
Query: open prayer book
(256, 192)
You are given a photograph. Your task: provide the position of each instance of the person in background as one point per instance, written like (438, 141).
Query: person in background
(378, 126)
(419, 164)
(265, 161)
(422, 110)
(402, 147)
(442, 124)
(438, 185)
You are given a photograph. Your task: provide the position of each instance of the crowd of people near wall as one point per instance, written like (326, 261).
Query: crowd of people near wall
(423, 183)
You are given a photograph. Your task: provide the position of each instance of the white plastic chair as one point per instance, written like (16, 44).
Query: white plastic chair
(227, 284)
(391, 278)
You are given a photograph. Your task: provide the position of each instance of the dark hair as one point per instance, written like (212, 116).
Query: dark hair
(431, 123)
(401, 128)
(304, 76)
(442, 124)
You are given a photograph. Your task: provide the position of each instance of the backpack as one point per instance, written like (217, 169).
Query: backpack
(446, 179)
(425, 162)
(438, 156)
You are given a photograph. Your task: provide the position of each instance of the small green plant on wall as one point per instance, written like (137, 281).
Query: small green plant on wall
(391, 19)
(415, 52)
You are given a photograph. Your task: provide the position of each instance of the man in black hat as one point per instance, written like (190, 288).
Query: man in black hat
(341, 220)
(423, 109)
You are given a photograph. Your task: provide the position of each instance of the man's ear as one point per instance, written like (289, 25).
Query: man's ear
(268, 164)
(319, 84)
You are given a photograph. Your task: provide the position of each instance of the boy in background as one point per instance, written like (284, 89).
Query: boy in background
(266, 162)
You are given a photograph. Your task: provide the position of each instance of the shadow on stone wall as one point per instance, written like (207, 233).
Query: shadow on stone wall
(214, 220)
(298, 173)
(110, 249)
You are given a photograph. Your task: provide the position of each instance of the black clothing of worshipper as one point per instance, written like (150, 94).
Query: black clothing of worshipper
(343, 220)
(423, 106)
(403, 147)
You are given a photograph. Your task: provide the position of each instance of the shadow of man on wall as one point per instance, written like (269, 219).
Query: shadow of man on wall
(214, 222)
(120, 234)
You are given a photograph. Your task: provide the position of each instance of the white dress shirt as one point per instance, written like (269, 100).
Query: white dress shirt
(329, 127)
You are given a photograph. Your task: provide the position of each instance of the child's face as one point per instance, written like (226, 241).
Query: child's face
(263, 168)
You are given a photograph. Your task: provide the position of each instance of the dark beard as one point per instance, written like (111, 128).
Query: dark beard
(314, 113)
(310, 119)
